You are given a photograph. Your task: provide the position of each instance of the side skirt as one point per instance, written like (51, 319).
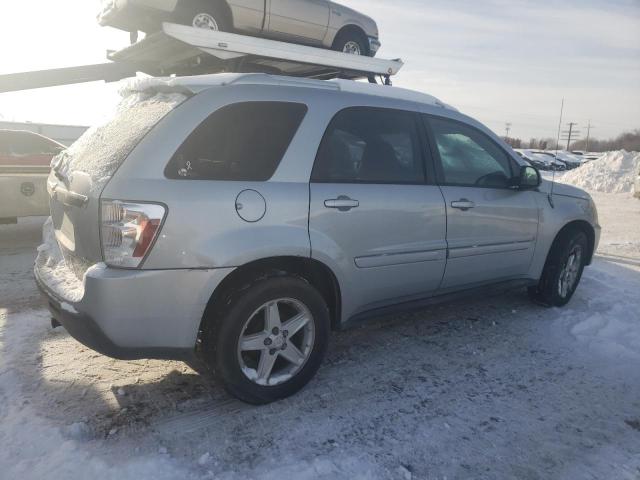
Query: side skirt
(483, 291)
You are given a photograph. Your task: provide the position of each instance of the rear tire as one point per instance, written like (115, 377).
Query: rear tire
(563, 270)
(206, 15)
(351, 41)
(245, 317)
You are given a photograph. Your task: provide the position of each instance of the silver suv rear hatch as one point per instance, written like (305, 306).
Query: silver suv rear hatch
(80, 173)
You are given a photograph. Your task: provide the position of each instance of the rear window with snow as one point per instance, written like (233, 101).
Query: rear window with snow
(101, 150)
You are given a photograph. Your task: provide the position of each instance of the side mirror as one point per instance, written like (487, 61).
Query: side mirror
(530, 178)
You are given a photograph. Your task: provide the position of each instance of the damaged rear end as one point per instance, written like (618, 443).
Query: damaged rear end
(89, 239)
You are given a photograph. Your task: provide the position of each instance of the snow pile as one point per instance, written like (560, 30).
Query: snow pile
(104, 147)
(52, 269)
(614, 172)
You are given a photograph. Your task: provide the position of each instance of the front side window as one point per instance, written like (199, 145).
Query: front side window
(468, 157)
(370, 145)
(243, 141)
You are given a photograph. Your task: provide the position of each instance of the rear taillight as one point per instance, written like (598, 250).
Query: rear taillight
(128, 231)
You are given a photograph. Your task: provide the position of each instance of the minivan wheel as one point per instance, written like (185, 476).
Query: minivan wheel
(270, 339)
(203, 15)
(563, 270)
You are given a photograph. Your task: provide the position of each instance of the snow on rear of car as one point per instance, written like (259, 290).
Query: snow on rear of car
(98, 154)
(102, 148)
(53, 270)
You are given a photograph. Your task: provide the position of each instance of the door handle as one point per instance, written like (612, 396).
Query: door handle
(463, 204)
(342, 203)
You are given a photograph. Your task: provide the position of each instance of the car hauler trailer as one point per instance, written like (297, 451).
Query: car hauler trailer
(181, 50)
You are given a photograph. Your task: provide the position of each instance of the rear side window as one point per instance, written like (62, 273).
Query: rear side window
(244, 141)
(370, 145)
(468, 157)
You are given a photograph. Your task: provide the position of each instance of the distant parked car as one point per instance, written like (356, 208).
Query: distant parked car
(571, 160)
(541, 160)
(590, 156)
(320, 23)
(25, 159)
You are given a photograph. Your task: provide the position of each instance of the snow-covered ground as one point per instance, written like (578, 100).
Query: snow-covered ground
(489, 388)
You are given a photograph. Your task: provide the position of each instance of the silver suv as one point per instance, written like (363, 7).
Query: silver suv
(238, 219)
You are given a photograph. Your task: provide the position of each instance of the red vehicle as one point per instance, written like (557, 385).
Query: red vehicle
(25, 159)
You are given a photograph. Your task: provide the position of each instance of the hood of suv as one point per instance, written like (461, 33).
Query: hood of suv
(564, 190)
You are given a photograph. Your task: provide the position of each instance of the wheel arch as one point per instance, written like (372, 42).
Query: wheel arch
(352, 27)
(227, 11)
(313, 271)
(581, 226)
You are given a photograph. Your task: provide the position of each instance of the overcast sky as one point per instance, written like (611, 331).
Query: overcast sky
(499, 60)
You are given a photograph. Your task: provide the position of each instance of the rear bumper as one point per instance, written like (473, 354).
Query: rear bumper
(134, 314)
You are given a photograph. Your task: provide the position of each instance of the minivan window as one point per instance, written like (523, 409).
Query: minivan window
(243, 141)
(468, 157)
(370, 145)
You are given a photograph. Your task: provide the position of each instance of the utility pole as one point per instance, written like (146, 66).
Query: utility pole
(570, 134)
(589, 127)
(507, 129)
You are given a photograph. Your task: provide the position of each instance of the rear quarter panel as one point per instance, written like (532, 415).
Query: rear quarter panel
(202, 228)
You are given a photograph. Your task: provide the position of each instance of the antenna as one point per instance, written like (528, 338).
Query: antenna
(553, 178)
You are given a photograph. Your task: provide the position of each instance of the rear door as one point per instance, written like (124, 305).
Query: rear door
(491, 228)
(373, 211)
(303, 19)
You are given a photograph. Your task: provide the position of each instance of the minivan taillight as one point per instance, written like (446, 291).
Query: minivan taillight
(128, 230)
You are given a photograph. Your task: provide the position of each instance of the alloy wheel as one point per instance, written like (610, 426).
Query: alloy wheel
(206, 21)
(570, 271)
(276, 342)
(352, 48)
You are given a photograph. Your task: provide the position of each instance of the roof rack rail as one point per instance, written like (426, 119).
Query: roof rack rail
(181, 50)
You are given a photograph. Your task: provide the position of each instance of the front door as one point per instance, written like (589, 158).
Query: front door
(303, 19)
(372, 211)
(491, 227)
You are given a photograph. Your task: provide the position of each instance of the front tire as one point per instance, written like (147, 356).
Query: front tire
(269, 339)
(563, 270)
(351, 42)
